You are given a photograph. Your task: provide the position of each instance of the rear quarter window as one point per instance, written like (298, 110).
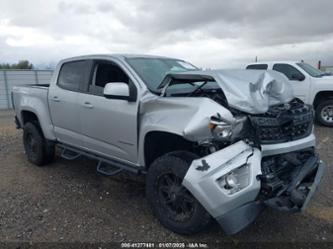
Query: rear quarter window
(258, 66)
(74, 74)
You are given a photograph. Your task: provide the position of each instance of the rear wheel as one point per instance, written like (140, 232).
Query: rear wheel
(324, 112)
(38, 150)
(173, 205)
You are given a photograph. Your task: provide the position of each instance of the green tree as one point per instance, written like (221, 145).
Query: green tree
(22, 64)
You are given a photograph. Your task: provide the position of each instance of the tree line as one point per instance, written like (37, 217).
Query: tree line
(22, 64)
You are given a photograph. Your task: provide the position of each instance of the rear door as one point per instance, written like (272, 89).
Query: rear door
(63, 101)
(109, 125)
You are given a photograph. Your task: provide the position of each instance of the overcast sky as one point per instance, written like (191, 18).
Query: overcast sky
(210, 33)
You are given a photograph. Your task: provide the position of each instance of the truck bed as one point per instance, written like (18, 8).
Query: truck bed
(33, 98)
(21, 93)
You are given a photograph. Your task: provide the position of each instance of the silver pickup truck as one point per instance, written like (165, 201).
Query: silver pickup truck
(217, 144)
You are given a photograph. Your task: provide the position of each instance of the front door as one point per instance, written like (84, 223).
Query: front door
(109, 125)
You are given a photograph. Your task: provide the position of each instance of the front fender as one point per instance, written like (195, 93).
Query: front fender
(187, 117)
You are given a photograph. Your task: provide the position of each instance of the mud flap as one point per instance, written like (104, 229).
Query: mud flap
(205, 178)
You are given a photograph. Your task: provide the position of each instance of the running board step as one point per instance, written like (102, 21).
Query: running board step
(107, 169)
(106, 166)
(69, 154)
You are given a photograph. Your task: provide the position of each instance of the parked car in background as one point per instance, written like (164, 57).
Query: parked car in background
(311, 85)
(219, 144)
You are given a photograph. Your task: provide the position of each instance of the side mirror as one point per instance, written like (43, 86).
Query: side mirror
(297, 76)
(116, 90)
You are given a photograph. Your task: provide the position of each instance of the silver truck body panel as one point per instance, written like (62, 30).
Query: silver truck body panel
(204, 184)
(121, 123)
(234, 211)
(65, 115)
(183, 116)
(90, 120)
(34, 99)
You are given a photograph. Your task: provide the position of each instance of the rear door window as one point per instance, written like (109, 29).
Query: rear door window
(257, 66)
(74, 75)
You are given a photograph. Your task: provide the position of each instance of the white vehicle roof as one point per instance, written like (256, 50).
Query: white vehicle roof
(271, 63)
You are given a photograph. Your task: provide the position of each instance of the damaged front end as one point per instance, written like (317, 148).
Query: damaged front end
(235, 184)
(270, 161)
(255, 140)
(289, 180)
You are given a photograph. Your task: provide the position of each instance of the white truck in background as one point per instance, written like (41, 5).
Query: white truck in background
(311, 85)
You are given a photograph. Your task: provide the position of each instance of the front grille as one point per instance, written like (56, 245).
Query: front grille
(283, 123)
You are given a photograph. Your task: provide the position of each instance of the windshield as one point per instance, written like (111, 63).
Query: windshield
(153, 70)
(314, 72)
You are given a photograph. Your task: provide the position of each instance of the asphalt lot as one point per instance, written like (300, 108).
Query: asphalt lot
(69, 201)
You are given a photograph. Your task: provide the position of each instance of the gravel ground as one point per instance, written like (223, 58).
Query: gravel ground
(68, 201)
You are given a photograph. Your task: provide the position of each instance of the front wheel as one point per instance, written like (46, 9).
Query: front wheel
(324, 112)
(173, 205)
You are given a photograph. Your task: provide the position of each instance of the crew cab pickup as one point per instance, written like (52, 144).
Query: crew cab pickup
(311, 85)
(219, 144)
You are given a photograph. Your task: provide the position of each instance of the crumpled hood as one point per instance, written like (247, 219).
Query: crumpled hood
(254, 91)
(250, 91)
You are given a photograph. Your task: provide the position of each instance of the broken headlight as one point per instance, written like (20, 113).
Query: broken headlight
(235, 180)
(223, 129)
(220, 130)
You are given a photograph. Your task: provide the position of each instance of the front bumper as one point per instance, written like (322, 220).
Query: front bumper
(235, 210)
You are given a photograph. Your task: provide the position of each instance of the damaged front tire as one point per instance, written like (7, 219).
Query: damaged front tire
(172, 204)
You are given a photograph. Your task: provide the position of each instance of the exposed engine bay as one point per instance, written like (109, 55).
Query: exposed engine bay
(286, 179)
(215, 94)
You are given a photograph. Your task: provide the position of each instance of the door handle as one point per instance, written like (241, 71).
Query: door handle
(55, 99)
(88, 105)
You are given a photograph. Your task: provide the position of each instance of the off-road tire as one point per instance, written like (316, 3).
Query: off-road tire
(38, 150)
(319, 117)
(177, 164)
